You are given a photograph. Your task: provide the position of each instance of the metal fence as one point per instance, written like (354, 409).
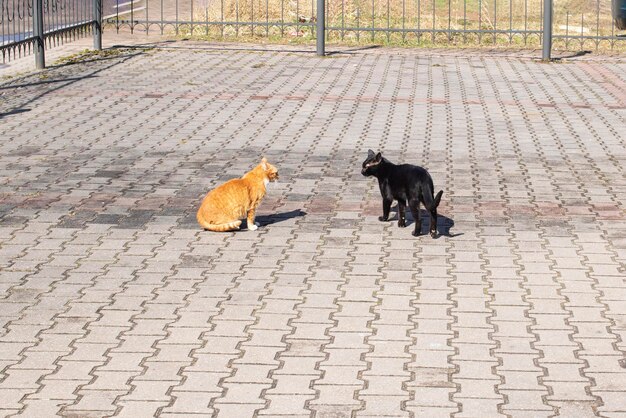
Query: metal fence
(577, 24)
(27, 24)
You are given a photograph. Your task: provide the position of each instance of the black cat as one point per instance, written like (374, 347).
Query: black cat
(404, 183)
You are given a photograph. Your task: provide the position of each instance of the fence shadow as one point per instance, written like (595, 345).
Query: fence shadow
(44, 82)
(573, 55)
(34, 86)
(179, 44)
(353, 50)
(211, 47)
(14, 112)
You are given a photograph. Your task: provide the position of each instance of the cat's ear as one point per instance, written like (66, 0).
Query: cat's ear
(378, 158)
(264, 163)
(370, 153)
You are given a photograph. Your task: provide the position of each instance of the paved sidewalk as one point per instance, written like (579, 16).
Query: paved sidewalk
(114, 302)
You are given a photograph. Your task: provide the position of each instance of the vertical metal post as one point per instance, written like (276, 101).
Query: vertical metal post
(321, 28)
(547, 30)
(40, 47)
(97, 25)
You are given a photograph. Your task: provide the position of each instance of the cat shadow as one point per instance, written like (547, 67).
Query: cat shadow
(444, 224)
(265, 220)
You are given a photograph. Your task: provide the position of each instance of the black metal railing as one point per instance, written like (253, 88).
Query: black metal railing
(29, 26)
(576, 24)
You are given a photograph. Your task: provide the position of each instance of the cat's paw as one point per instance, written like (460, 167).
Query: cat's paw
(383, 218)
(416, 233)
(253, 227)
(433, 234)
(401, 223)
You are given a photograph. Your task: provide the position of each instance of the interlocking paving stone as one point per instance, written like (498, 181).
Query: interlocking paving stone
(113, 301)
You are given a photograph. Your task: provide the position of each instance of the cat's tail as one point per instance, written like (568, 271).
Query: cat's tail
(438, 198)
(228, 226)
(431, 201)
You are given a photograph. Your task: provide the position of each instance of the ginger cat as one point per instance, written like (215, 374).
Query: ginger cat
(223, 207)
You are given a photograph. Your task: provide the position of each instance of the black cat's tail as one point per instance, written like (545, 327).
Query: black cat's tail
(431, 201)
(438, 198)
(431, 204)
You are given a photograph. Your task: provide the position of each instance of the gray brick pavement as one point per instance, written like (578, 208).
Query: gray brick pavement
(114, 303)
